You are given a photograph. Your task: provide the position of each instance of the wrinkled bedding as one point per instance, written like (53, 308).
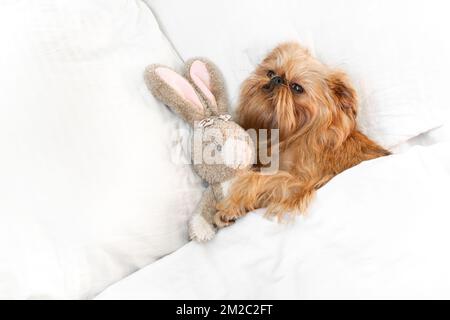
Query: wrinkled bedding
(378, 230)
(91, 183)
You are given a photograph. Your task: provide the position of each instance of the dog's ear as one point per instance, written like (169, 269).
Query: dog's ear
(343, 92)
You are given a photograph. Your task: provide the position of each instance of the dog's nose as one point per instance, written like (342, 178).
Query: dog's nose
(277, 81)
(274, 82)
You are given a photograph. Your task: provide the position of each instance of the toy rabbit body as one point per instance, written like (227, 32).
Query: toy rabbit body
(220, 149)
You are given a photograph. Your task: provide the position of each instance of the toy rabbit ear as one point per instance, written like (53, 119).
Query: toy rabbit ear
(208, 80)
(176, 92)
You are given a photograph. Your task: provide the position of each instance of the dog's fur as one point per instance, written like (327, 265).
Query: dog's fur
(319, 137)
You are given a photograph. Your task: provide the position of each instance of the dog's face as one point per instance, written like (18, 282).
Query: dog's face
(292, 91)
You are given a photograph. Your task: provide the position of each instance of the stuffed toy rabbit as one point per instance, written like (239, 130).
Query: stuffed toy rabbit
(220, 148)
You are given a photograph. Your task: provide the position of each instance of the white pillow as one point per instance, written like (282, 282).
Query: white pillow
(396, 53)
(89, 189)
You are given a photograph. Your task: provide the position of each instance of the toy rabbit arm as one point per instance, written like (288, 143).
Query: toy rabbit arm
(201, 225)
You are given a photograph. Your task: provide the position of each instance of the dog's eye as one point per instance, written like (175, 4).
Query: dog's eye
(296, 88)
(270, 74)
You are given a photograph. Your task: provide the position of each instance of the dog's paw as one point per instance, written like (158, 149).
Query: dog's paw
(224, 219)
(200, 230)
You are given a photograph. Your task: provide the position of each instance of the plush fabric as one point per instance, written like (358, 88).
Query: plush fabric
(200, 77)
(93, 185)
(180, 85)
(220, 149)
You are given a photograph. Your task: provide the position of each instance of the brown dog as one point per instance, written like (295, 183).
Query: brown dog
(314, 107)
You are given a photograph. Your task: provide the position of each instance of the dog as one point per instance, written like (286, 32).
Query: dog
(315, 108)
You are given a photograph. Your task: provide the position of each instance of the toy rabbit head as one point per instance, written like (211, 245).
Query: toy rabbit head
(220, 148)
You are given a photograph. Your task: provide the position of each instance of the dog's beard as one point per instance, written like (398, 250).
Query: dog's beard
(288, 116)
(276, 110)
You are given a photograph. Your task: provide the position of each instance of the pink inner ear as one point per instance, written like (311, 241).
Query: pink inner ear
(181, 86)
(200, 76)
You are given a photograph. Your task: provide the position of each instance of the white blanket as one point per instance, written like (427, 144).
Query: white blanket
(378, 230)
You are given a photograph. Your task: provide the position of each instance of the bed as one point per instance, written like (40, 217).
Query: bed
(96, 195)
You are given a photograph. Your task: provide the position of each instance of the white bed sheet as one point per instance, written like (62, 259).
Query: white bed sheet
(378, 230)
